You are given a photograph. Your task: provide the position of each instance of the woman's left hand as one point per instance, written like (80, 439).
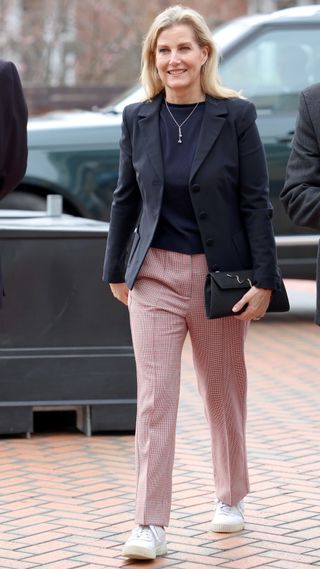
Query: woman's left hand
(257, 299)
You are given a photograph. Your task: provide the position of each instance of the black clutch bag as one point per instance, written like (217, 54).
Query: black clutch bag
(224, 289)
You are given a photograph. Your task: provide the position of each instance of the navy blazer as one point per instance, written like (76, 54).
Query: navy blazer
(228, 187)
(13, 132)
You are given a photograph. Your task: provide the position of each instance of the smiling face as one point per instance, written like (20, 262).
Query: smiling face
(178, 60)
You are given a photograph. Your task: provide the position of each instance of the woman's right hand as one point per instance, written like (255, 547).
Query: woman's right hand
(120, 291)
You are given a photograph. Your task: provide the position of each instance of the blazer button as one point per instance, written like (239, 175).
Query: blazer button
(195, 188)
(202, 214)
(210, 241)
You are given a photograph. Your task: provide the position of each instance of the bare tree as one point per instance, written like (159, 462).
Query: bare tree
(47, 32)
(87, 42)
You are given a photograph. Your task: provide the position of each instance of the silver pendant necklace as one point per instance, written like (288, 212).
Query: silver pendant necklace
(181, 124)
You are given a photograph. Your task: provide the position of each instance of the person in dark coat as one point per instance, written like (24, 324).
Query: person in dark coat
(301, 192)
(193, 190)
(13, 132)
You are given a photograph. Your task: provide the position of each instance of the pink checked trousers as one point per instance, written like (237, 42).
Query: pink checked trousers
(166, 302)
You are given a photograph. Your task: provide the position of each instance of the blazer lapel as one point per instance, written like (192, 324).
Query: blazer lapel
(149, 124)
(215, 113)
(214, 117)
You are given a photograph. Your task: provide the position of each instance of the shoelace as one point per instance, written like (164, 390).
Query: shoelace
(145, 532)
(225, 508)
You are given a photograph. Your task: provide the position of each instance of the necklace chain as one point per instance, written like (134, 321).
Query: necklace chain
(183, 122)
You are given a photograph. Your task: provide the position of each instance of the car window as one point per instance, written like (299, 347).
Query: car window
(274, 67)
(232, 31)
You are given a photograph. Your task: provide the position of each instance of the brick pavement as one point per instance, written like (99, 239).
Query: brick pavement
(66, 501)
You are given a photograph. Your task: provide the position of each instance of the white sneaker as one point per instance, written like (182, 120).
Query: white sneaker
(228, 519)
(146, 542)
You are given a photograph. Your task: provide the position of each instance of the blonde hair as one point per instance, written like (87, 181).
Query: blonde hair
(177, 15)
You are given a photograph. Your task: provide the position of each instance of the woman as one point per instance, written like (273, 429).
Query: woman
(193, 189)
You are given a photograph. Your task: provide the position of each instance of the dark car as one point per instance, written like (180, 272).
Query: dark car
(270, 58)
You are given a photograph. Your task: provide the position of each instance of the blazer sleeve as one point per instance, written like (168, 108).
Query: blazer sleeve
(256, 208)
(125, 209)
(301, 192)
(13, 136)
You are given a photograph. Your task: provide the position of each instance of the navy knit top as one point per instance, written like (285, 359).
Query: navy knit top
(177, 229)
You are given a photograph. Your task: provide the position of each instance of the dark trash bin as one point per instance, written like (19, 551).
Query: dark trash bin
(64, 341)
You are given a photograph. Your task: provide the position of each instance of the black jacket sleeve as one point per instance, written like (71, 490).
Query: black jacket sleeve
(125, 211)
(301, 193)
(255, 204)
(13, 130)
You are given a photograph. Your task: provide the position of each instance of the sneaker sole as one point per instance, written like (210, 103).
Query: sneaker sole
(138, 552)
(227, 528)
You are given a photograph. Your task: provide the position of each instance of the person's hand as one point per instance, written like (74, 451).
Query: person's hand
(257, 300)
(120, 291)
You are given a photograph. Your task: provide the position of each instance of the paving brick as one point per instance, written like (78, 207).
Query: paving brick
(194, 565)
(208, 560)
(51, 556)
(67, 501)
(308, 534)
(285, 564)
(79, 564)
(291, 557)
(302, 524)
(22, 522)
(243, 551)
(46, 547)
(81, 534)
(248, 563)
(81, 523)
(32, 530)
(25, 512)
(15, 564)
(10, 554)
(267, 530)
(295, 549)
(283, 539)
(232, 541)
(187, 548)
(313, 544)
(65, 565)
(97, 552)
(102, 561)
(35, 538)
